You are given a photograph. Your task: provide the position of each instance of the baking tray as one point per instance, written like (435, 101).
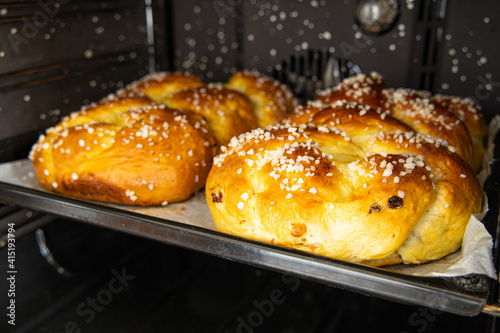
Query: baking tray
(189, 225)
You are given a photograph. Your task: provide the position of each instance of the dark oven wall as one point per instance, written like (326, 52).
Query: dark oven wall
(56, 56)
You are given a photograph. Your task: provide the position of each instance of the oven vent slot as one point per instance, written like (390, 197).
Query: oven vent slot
(308, 72)
(429, 32)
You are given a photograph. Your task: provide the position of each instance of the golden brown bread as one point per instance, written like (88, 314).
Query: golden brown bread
(458, 196)
(466, 110)
(470, 113)
(122, 165)
(341, 113)
(227, 112)
(271, 99)
(375, 131)
(377, 198)
(125, 150)
(449, 118)
(362, 88)
(415, 109)
(159, 86)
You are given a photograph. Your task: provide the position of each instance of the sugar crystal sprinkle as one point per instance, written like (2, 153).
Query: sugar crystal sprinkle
(131, 195)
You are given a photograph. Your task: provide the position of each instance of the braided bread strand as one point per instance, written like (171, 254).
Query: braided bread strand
(453, 119)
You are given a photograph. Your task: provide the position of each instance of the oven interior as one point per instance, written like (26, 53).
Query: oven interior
(78, 272)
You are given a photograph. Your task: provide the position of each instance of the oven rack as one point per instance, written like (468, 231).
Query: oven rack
(466, 295)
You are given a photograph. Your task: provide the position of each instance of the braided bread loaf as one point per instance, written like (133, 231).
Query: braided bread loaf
(125, 150)
(346, 181)
(151, 143)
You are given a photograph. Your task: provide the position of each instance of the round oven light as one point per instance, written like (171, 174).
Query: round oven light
(369, 13)
(376, 16)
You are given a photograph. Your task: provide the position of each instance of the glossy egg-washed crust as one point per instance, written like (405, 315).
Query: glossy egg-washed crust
(385, 199)
(159, 86)
(127, 151)
(364, 173)
(228, 112)
(271, 99)
(247, 101)
(362, 88)
(152, 142)
(453, 119)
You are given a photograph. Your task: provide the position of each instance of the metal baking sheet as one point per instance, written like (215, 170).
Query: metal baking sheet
(189, 225)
